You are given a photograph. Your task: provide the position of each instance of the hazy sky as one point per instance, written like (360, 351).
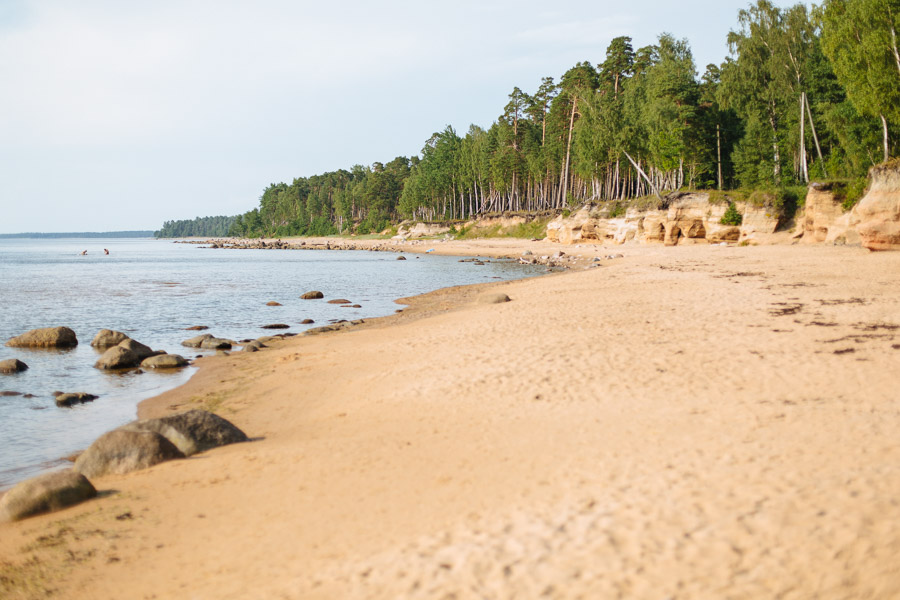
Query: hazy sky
(121, 115)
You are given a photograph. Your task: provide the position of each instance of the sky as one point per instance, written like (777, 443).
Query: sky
(122, 115)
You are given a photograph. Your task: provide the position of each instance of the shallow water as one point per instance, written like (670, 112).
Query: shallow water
(154, 289)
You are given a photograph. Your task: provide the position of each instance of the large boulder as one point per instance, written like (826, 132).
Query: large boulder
(49, 337)
(195, 342)
(192, 431)
(138, 348)
(214, 343)
(164, 361)
(107, 338)
(313, 295)
(117, 357)
(879, 210)
(45, 493)
(12, 365)
(123, 451)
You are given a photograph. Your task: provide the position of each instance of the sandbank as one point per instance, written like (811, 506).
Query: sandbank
(688, 422)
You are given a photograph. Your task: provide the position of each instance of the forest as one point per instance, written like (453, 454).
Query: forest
(200, 226)
(805, 93)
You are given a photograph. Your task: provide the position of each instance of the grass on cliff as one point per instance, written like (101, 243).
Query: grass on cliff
(536, 228)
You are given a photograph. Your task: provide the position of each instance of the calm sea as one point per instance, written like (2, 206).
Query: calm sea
(154, 289)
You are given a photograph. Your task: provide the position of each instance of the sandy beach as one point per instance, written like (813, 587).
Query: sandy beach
(688, 422)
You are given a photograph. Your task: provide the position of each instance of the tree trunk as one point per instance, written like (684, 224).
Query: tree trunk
(568, 151)
(812, 127)
(719, 152)
(886, 145)
(642, 174)
(804, 169)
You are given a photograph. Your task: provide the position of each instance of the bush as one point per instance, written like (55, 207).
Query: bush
(731, 216)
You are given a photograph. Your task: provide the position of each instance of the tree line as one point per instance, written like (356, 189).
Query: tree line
(804, 93)
(200, 226)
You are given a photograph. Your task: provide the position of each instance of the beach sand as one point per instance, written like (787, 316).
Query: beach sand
(689, 422)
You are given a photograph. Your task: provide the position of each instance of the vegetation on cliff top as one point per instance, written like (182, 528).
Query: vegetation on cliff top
(805, 93)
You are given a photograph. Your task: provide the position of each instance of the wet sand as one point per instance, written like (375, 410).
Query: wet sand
(686, 422)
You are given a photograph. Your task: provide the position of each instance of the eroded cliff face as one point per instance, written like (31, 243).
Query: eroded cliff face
(823, 219)
(879, 209)
(688, 219)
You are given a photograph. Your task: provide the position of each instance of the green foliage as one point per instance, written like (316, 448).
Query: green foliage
(564, 145)
(200, 226)
(731, 216)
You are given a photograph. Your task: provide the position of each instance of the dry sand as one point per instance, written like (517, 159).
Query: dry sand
(697, 422)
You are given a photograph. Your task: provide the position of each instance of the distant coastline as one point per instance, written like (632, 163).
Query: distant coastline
(81, 234)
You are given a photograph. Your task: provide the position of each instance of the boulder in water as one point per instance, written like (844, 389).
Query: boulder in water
(117, 357)
(12, 365)
(49, 337)
(106, 338)
(314, 295)
(164, 361)
(74, 398)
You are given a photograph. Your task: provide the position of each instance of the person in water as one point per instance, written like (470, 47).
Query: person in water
(84, 253)
(106, 252)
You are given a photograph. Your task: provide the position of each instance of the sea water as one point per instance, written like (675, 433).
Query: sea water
(153, 290)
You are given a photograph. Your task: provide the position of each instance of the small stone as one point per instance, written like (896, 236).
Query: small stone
(401, 258)
(307, 322)
(10, 393)
(276, 326)
(493, 299)
(527, 253)
(196, 328)
(273, 303)
(314, 295)
(339, 301)
(195, 342)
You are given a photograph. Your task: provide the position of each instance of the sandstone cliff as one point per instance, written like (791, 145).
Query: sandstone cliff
(879, 209)
(689, 218)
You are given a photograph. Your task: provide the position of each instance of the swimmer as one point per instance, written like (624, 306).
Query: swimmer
(106, 252)
(84, 253)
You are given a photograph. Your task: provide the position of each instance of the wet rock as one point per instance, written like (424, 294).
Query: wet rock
(273, 303)
(139, 349)
(45, 493)
(117, 357)
(192, 431)
(314, 295)
(339, 301)
(122, 451)
(213, 343)
(74, 398)
(195, 342)
(9, 394)
(49, 337)
(12, 365)
(493, 299)
(164, 361)
(276, 326)
(401, 257)
(196, 328)
(251, 348)
(107, 338)
(307, 322)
